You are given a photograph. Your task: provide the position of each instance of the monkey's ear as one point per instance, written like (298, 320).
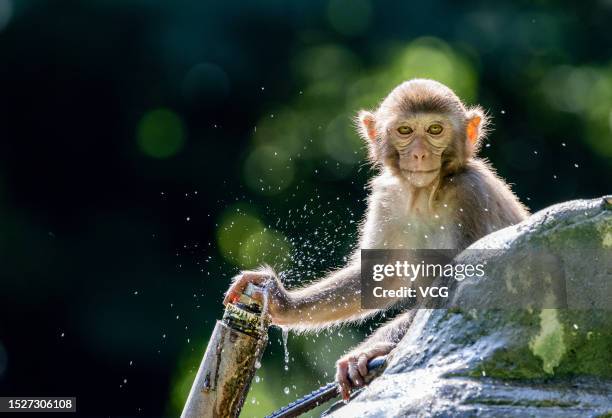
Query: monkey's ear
(366, 125)
(476, 128)
(473, 128)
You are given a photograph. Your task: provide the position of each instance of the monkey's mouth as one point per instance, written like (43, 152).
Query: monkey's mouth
(421, 178)
(421, 171)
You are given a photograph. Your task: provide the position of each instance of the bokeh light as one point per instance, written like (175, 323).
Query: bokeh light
(160, 133)
(587, 93)
(246, 242)
(265, 246)
(283, 130)
(326, 68)
(268, 170)
(425, 57)
(433, 58)
(235, 227)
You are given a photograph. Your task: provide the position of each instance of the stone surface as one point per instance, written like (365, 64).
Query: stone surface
(538, 362)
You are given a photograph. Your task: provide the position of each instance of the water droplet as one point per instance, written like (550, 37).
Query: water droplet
(285, 333)
(286, 390)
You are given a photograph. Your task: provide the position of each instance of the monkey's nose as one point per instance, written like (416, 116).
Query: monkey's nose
(419, 155)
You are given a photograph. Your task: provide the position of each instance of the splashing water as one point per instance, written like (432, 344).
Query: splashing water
(285, 332)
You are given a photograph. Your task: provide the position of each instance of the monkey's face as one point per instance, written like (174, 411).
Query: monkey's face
(422, 131)
(414, 146)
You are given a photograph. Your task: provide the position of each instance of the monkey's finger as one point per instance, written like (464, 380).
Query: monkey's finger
(240, 283)
(233, 293)
(229, 295)
(344, 385)
(362, 364)
(345, 391)
(354, 373)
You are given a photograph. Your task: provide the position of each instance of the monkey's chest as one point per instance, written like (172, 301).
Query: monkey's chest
(401, 232)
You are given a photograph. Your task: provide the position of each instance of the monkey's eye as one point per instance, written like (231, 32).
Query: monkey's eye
(404, 130)
(435, 129)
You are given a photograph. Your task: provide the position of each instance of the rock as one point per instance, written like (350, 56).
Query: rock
(526, 361)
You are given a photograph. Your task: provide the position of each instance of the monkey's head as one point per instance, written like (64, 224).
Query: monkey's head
(422, 132)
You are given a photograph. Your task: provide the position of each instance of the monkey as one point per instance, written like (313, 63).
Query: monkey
(430, 191)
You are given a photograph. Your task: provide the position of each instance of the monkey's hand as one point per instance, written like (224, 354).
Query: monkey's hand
(278, 298)
(352, 368)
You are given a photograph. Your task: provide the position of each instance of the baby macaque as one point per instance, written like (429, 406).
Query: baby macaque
(431, 192)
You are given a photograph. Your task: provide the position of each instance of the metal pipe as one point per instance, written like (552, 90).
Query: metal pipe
(229, 363)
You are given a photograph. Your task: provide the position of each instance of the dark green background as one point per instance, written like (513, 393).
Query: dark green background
(150, 149)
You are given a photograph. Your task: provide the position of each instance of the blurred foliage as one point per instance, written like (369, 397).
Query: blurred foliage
(587, 93)
(152, 149)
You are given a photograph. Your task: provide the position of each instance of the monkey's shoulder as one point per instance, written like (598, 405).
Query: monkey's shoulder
(481, 193)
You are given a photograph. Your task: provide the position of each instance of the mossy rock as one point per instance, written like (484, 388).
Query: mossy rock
(483, 358)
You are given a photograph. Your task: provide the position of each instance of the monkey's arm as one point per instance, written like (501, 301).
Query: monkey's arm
(333, 299)
(390, 333)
